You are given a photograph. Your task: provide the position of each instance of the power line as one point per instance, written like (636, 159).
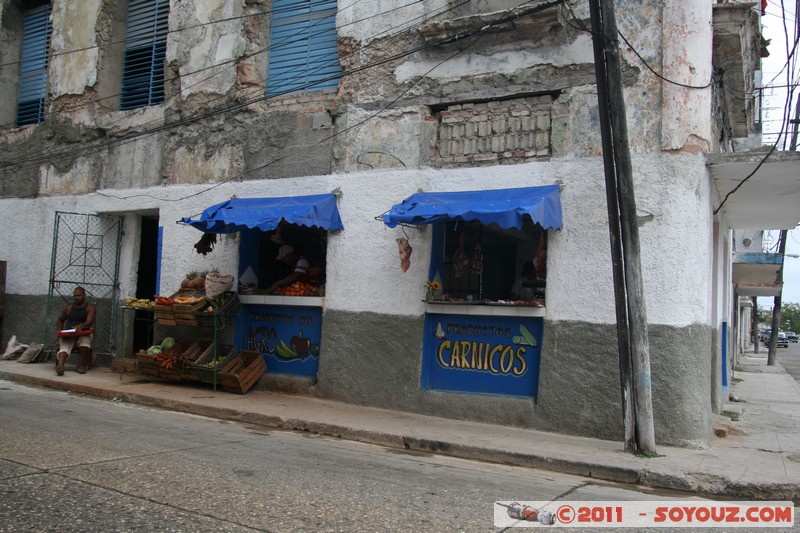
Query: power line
(229, 63)
(172, 31)
(458, 37)
(582, 27)
(245, 100)
(461, 36)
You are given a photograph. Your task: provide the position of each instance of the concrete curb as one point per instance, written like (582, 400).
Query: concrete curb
(701, 483)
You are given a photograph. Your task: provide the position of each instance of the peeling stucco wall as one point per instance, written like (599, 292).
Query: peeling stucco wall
(74, 47)
(687, 39)
(377, 139)
(207, 51)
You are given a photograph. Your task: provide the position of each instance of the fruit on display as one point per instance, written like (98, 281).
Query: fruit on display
(139, 303)
(164, 300)
(298, 288)
(194, 281)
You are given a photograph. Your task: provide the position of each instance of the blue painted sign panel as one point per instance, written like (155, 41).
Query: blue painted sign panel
(287, 336)
(482, 354)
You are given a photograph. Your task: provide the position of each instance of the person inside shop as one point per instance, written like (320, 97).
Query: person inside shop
(522, 289)
(79, 315)
(530, 285)
(301, 269)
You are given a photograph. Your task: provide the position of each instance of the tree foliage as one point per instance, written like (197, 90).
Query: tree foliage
(790, 317)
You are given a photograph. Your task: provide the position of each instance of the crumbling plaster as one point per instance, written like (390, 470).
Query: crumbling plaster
(687, 36)
(74, 47)
(206, 52)
(10, 45)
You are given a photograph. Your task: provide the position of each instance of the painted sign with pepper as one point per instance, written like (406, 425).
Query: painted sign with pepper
(287, 336)
(482, 354)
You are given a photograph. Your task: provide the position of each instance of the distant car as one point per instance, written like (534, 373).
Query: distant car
(783, 341)
(792, 336)
(765, 335)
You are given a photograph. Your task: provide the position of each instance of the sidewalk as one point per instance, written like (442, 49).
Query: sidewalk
(758, 460)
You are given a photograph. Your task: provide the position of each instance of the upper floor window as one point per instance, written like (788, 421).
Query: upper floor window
(36, 30)
(145, 49)
(302, 46)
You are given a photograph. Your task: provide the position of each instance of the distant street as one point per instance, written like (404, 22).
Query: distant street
(72, 463)
(788, 357)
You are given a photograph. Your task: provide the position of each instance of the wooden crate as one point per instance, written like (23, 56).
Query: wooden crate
(242, 372)
(146, 364)
(224, 314)
(185, 363)
(165, 315)
(186, 313)
(208, 372)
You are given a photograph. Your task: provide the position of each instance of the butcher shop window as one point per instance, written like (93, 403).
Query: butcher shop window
(475, 262)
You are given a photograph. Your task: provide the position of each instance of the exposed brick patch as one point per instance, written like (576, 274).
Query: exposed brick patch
(495, 132)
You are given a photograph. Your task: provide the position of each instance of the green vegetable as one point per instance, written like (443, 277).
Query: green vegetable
(167, 343)
(154, 350)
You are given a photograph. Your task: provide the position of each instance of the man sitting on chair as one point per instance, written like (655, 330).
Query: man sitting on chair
(78, 315)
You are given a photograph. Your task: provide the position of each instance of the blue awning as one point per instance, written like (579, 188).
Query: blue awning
(265, 214)
(504, 207)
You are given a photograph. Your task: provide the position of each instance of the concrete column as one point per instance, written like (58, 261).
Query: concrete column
(686, 42)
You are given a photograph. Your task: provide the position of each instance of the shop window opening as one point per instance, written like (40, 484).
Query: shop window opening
(478, 263)
(264, 253)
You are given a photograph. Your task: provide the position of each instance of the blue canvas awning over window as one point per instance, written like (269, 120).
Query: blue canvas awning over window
(504, 207)
(265, 214)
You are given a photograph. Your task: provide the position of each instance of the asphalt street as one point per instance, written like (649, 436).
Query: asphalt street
(789, 358)
(73, 463)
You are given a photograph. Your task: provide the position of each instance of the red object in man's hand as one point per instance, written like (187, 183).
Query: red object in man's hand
(75, 333)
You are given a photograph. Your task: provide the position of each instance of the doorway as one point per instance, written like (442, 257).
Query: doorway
(146, 282)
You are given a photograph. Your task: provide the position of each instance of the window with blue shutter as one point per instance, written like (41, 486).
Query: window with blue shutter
(145, 48)
(302, 46)
(36, 29)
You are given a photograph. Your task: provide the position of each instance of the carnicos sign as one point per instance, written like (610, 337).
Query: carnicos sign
(482, 354)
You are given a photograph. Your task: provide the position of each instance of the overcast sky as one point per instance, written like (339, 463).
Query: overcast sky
(774, 103)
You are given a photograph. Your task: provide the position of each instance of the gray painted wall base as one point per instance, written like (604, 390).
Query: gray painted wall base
(375, 360)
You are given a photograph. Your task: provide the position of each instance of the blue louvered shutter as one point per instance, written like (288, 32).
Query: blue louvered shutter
(36, 29)
(302, 46)
(145, 49)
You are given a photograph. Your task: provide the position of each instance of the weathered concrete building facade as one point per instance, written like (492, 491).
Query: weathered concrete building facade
(436, 95)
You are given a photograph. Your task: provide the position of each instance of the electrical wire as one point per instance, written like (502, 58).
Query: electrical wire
(301, 36)
(178, 30)
(244, 99)
(461, 36)
(583, 27)
(784, 122)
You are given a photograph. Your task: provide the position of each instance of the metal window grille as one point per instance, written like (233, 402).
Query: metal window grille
(86, 252)
(303, 54)
(145, 48)
(36, 30)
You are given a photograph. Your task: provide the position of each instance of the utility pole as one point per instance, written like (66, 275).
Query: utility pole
(772, 356)
(632, 333)
(754, 320)
(776, 306)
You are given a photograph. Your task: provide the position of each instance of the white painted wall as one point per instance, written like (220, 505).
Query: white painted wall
(363, 262)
